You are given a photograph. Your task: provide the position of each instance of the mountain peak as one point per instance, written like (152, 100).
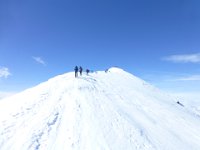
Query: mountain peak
(113, 110)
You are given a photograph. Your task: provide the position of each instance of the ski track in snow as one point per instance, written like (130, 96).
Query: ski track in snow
(101, 111)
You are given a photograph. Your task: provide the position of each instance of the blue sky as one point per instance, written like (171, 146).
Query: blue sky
(157, 40)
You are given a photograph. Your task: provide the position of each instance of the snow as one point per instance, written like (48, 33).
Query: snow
(6, 94)
(111, 110)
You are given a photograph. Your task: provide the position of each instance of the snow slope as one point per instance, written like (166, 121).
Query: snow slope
(102, 111)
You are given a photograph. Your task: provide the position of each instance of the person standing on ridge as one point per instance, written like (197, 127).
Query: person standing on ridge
(80, 70)
(87, 71)
(76, 71)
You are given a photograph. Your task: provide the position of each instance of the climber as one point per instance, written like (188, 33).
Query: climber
(76, 71)
(87, 71)
(80, 70)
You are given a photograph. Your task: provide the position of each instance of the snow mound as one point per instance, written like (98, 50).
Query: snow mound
(101, 111)
(115, 70)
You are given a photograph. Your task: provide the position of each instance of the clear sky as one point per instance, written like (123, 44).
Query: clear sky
(157, 40)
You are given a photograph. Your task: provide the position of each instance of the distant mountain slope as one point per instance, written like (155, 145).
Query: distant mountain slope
(101, 111)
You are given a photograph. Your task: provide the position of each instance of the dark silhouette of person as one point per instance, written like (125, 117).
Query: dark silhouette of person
(87, 71)
(76, 71)
(80, 70)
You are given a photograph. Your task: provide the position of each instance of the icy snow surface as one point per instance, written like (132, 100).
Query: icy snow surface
(111, 110)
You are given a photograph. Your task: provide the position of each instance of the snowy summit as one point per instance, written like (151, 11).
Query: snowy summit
(111, 110)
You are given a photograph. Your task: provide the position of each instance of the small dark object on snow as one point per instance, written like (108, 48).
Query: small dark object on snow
(180, 103)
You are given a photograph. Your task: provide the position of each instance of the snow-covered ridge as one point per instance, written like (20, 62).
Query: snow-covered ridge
(111, 110)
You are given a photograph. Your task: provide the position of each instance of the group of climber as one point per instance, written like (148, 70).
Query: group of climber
(80, 70)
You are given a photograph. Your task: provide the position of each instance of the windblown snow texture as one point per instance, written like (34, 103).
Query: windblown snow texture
(111, 110)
